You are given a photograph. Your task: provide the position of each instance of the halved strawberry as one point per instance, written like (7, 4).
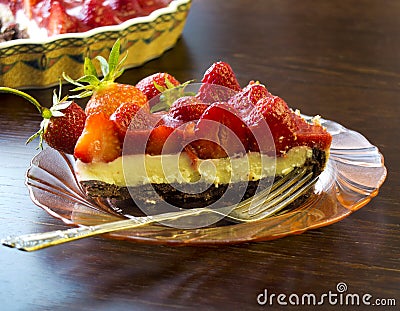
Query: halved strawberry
(128, 113)
(147, 134)
(158, 138)
(220, 132)
(140, 130)
(99, 141)
(312, 135)
(59, 21)
(288, 129)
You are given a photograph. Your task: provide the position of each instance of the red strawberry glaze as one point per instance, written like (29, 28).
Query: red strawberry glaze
(220, 132)
(221, 73)
(187, 108)
(149, 133)
(287, 128)
(245, 100)
(126, 112)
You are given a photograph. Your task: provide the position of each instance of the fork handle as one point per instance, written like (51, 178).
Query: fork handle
(36, 241)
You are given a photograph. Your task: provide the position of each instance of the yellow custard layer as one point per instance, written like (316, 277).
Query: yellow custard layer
(134, 170)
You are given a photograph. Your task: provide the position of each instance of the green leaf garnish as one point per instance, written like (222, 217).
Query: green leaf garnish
(111, 69)
(169, 95)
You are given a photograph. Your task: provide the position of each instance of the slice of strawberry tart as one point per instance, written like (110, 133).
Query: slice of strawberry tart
(156, 142)
(187, 145)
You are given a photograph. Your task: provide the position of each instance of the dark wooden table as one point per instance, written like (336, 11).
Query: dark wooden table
(339, 59)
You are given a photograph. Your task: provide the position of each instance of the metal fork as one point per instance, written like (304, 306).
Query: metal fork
(264, 204)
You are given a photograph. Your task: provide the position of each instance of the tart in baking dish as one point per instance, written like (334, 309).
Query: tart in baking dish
(51, 17)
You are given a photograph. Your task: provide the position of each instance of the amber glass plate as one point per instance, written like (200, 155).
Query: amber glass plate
(352, 178)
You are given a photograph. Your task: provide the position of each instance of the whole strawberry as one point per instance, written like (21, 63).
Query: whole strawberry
(157, 83)
(221, 74)
(274, 113)
(97, 13)
(106, 95)
(63, 132)
(62, 124)
(187, 108)
(245, 100)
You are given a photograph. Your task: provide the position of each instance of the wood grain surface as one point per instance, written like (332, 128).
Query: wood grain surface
(338, 59)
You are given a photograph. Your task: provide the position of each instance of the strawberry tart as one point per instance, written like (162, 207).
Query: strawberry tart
(51, 17)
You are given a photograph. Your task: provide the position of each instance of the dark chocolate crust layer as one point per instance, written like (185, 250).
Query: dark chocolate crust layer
(189, 195)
